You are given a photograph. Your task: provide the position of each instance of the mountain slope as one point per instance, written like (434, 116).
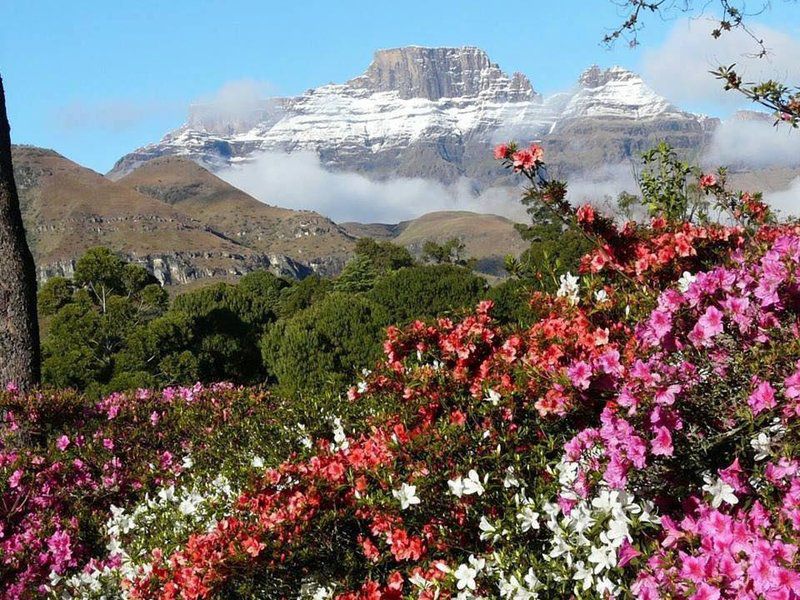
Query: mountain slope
(436, 112)
(304, 236)
(487, 238)
(68, 209)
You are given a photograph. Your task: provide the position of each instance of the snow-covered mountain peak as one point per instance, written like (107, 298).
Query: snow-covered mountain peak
(595, 76)
(434, 112)
(436, 73)
(615, 92)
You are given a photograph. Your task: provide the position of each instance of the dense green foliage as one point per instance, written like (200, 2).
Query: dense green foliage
(452, 252)
(427, 291)
(554, 250)
(112, 327)
(324, 346)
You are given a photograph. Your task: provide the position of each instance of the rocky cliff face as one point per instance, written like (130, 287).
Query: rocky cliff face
(436, 113)
(436, 73)
(180, 268)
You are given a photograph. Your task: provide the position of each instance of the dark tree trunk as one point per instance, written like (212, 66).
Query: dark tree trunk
(19, 328)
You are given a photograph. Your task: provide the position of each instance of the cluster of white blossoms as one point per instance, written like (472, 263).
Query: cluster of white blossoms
(312, 590)
(173, 512)
(340, 441)
(569, 288)
(762, 443)
(685, 281)
(406, 495)
(466, 486)
(589, 534)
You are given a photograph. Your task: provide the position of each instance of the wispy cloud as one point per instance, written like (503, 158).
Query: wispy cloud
(113, 115)
(786, 201)
(679, 68)
(235, 105)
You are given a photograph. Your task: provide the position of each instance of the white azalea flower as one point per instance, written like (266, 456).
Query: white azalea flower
(456, 487)
(257, 462)
(465, 577)
(488, 531)
(472, 483)
(761, 445)
(616, 533)
(606, 588)
(720, 492)
(603, 558)
(583, 576)
(527, 519)
(685, 281)
(189, 504)
(493, 397)
(407, 495)
(607, 501)
(339, 437)
(167, 494)
(510, 479)
(569, 288)
(600, 296)
(322, 593)
(419, 581)
(531, 580)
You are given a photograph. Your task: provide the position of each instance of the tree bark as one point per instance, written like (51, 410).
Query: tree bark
(20, 360)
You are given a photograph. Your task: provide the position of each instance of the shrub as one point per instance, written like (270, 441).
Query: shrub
(326, 345)
(427, 291)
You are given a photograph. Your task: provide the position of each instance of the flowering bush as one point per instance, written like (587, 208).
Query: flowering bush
(163, 462)
(640, 439)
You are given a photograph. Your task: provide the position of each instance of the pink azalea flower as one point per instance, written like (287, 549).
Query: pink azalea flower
(763, 398)
(523, 160)
(500, 151)
(660, 323)
(662, 442)
(62, 443)
(706, 592)
(708, 326)
(16, 477)
(580, 374)
(708, 180)
(626, 553)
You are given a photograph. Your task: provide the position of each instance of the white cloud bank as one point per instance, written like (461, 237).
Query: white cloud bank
(299, 181)
(754, 144)
(679, 68)
(786, 201)
(237, 103)
(113, 115)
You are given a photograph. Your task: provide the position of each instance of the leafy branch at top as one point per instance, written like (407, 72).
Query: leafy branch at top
(781, 99)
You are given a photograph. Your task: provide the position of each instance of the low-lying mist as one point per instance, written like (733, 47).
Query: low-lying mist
(299, 181)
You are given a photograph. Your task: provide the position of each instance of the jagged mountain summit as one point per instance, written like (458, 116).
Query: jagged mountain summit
(436, 112)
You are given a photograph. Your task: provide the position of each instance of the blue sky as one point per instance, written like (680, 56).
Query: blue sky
(94, 80)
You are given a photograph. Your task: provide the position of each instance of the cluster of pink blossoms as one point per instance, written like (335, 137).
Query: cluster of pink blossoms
(739, 540)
